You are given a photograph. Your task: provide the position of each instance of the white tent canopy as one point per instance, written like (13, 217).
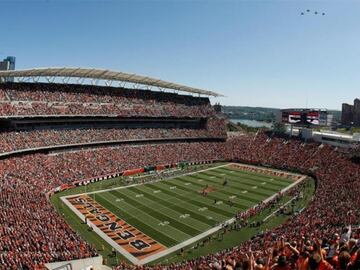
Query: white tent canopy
(101, 74)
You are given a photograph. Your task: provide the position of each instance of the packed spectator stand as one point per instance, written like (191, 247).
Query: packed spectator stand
(18, 140)
(29, 100)
(27, 238)
(31, 230)
(33, 233)
(66, 99)
(326, 235)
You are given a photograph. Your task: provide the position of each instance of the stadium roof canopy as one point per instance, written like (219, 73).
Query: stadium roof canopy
(99, 74)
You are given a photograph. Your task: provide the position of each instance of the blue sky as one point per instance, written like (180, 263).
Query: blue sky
(257, 53)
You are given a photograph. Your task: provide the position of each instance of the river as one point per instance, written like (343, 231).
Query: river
(252, 123)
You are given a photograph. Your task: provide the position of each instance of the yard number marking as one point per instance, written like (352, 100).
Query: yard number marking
(164, 223)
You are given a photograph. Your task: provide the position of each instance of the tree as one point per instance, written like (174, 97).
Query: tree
(279, 128)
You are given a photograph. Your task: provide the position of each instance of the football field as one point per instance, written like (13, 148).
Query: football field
(148, 221)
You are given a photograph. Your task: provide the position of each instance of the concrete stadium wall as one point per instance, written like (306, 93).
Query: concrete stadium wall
(94, 263)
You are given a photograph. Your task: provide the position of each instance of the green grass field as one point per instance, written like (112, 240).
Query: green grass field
(174, 210)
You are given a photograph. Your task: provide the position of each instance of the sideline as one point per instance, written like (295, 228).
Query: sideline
(277, 210)
(187, 242)
(150, 182)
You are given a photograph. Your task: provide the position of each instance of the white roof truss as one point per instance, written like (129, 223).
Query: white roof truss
(100, 74)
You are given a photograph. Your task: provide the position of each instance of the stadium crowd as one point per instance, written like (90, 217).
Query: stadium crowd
(324, 236)
(31, 231)
(18, 140)
(62, 99)
(318, 238)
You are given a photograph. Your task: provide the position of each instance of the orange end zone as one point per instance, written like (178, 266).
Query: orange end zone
(126, 236)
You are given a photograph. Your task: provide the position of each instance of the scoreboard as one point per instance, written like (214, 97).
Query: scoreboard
(304, 117)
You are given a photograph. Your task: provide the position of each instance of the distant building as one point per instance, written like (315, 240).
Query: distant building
(350, 114)
(8, 64)
(330, 137)
(346, 114)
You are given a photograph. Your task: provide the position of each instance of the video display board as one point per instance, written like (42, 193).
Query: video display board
(301, 117)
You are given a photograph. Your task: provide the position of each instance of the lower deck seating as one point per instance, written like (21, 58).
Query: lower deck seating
(32, 233)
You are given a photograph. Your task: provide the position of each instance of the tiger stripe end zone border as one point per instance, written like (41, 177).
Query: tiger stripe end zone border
(133, 244)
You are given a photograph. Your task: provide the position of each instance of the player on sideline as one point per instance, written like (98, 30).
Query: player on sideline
(225, 182)
(205, 190)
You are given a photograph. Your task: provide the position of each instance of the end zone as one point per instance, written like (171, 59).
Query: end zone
(133, 244)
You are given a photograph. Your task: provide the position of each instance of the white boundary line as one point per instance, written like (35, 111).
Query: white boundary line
(111, 242)
(212, 230)
(103, 235)
(155, 181)
(187, 242)
(244, 165)
(277, 210)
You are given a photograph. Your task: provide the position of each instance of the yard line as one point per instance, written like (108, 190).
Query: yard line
(235, 181)
(178, 191)
(223, 194)
(158, 180)
(175, 206)
(205, 201)
(263, 176)
(188, 242)
(179, 195)
(277, 181)
(258, 195)
(161, 216)
(151, 221)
